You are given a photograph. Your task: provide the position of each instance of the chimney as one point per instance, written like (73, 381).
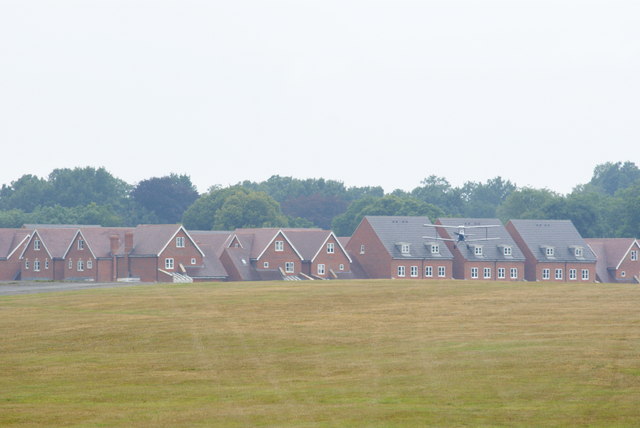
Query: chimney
(115, 244)
(128, 242)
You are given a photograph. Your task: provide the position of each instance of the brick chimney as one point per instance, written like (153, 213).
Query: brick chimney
(128, 247)
(115, 244)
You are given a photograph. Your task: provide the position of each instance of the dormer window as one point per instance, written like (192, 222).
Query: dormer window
(578, 251)
(405, 248)
(435, 249)
(548, 251)
(507, 251)
(477, 250)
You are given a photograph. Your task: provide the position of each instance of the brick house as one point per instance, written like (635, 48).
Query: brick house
(553, 250)
(42, 259)
(212, 244)
(323, 255)
(489, 253)
(12, 244)
(618, 259)
(396, 247)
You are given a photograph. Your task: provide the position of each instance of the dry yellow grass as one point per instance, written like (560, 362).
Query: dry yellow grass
(332, 353)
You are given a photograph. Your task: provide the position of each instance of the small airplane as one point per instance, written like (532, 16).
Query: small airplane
(461, 233)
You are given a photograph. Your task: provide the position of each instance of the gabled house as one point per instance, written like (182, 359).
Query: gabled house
(396, 247)
(489, 252)
(159, 253)
(323, 255)
(212, 244)
(12, 243)
(553, 250)
(618, 259)
(42, 259)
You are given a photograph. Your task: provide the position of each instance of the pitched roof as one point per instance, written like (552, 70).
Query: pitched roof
(56, 240)
(263, 237)
(11, 240)
(152, 239)
(492, 248)
(212, 244)
(98, 239)
(393, 231)
(610, 253)
(558, 234)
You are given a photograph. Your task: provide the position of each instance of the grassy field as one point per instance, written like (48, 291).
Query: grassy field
(331, 353)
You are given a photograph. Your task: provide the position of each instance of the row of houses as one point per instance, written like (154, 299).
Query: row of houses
(396, 247)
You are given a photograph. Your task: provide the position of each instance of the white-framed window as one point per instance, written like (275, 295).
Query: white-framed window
(289, 267)
(168, 263)
(362, 249)
(487, 273)
(36, 265)
(89, 264)
(442, 271)
(46, 264)
(405, 248)
(36, 244)
(341, 266)
(401, 271)
(507, 251)
(80, 266)
(558, 274)
(265, 265)
(331, 248)
(634, 255)
(502, 273)
(321, 269)
(428, 271)
(80, 244)
(279, 246)
(413, 271)
(549, 251)
(623, 274)
(585, 274)
(179, 241)
(546, 273)
(26, 264)
(474, 272)
(513, 273)
(578, 251)
(477, 250)
(193, 260)
(573, 274)
(70, 264)
(435, 249)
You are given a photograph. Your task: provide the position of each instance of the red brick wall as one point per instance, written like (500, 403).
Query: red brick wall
(180, 255)
(83, 254)
(330, 261)
(145, 268)
(376, 261)
(531, 263)
(29, 257)
(630, 267)
(277, 259)
(421, 265)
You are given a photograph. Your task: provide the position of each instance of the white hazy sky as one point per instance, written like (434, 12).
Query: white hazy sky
(367, 92)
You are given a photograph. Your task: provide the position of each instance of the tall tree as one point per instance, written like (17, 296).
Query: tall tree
(81, 186)
(25, 193)
(610, 177)
(439, 192)
(167, 197)
(526, 203)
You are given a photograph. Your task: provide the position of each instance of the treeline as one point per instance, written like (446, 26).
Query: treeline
(607, 206)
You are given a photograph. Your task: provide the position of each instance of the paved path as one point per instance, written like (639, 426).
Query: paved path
(12, 288)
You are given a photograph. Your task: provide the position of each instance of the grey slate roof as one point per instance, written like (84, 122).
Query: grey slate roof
(393, 231)
(492, 249)
(561, 235)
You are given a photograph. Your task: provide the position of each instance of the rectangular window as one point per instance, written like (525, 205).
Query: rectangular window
(289, 267)
(193, 260)
(168, 263)
(36, 244)
(487, 273)
(362, 249)
(331, 248)
(442, 271)
(585, 274)
(549, 251)
(634, 255)
(320, 269)
(89, 264)
(265, 265)
(546, 273)
(428, 271)
(558, 274)
(80, 267)
(180, 241)
(401, 271)
(477, 250)
(435, 249)
(36, 265)
(405, 249)
(80, 244)
(46, 263)
(474, 272)
(578, 252)
(514, 273)
(279, 246)
(508, 251)
(413, 271)
(70, 264)
(26, 264)
(341, 267)
(573, 274)
(502, 273)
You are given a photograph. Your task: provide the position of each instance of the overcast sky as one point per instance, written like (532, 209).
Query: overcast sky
(366, 92)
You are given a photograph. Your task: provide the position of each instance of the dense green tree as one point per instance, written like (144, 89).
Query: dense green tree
(481, 200)
(345, 224)
(628, 201)
(244, 209)
(13, 218)
(439, 192)
(167, 197)
(526, 203)
(317, 208)
(81, 186)
(610, 177)
(25, 193)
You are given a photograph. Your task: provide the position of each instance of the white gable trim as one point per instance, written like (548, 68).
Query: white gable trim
(325, 243)
(78, 232)
(26, 238)
(273, 239)
(634, 243)
(174, 236)
(234, 237)
(35, 232)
